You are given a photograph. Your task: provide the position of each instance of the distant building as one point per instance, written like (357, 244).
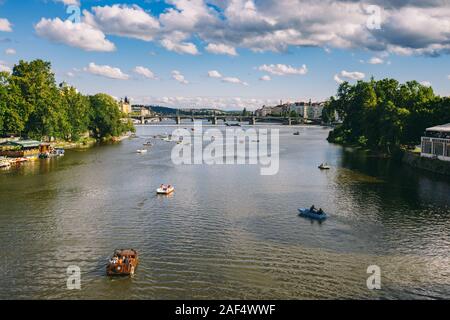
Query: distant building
(263, 112)
(436, 143)
(125, 106)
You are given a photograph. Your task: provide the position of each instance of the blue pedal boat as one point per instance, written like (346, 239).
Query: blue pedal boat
(313, 215)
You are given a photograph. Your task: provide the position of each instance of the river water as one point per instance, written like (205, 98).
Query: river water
(227, 232)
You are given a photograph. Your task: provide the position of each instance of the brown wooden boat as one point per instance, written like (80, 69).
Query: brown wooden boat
(123, 263)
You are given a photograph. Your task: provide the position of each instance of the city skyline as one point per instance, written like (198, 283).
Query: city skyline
(228, 54)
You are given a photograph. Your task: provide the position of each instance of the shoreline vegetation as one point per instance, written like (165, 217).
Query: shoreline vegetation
(384, 117)
(33, 106)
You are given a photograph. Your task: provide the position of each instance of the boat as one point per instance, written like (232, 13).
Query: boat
(163, 189)
(123, 263)
(59, 152)
(324, 166)
(297, 133)
(141, 151)
(312, 214)
(4, 163)
(148, 144)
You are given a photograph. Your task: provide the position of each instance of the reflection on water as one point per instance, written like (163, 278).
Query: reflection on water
(227, 232)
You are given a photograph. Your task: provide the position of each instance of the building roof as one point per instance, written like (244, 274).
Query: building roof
(440, 128)
(22, 143)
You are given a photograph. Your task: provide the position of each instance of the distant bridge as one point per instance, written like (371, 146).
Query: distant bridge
(214, 119)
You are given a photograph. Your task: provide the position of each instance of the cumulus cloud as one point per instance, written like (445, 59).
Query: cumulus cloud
(10, 51)
(217, 74)
(145, 72)
(180, 47)
(214, 74)
(282, 69)
(69, 2)
(5, 25)
(354, 75)
(375, 60)
(106, 71)
(221, 48)
(176, 75)
(426, 83)
(122, 20)
(234, 80)
(226, 103)
(265, 78)
(276, 25)
(79, 35)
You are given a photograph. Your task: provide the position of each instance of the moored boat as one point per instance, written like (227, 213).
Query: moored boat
(303, 212)
(123, 263)
(324, 166)
(141, 151)
(163, 189)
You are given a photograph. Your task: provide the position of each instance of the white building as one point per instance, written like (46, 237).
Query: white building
(436, 143)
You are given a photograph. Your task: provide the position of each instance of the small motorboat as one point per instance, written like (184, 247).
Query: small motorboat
(297, 133)
(141, 151)
(312, 214)
(148, 144)
(123, 263)
(163, 189)
(324, 166)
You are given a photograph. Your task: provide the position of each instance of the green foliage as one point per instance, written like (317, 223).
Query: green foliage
(384, 115)
(31, 104)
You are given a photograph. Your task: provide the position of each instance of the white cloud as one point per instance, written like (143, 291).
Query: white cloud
(79, 35)
(5, 25)
(282, 69)
(10, 51)
(69, 2)
(106, 71)
(265, 78)
(426, 83)
(180, 47)
(355, 75)
(375, 60)
(234, 80)
(221, 48)
(4, 67)
(214, 74)
(276, 25)
(226, 103)
(145, 72)
(176, 75)
(338, 79)
(122, 20)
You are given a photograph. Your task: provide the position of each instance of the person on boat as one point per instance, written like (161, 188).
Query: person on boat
(312, 209)
(320, 212)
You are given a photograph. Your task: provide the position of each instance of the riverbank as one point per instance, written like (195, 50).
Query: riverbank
(428, 164)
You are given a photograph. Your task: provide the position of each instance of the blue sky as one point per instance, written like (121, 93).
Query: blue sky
(164, 52)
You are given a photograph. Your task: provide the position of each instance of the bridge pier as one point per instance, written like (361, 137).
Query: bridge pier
(178, 120)
(214, 120)
(252, 121)
(289, 121)
(142, 120)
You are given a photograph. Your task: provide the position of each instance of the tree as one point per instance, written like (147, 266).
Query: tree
(106, 117)
(39, 97)
(76, 108)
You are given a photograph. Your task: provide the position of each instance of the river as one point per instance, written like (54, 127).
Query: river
(227, 232)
